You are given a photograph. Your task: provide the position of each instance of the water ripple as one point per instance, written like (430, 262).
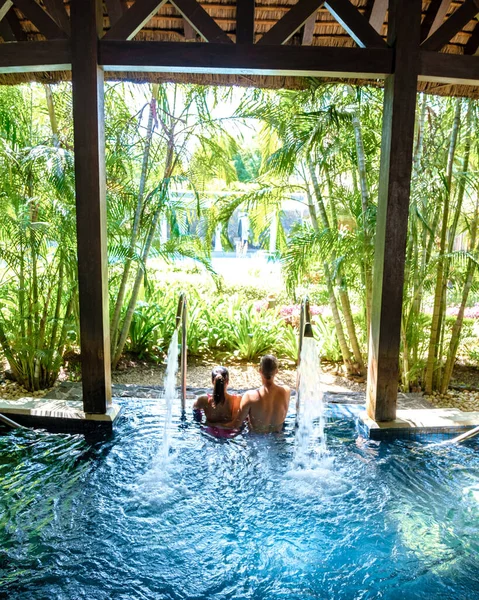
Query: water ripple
(234, 519)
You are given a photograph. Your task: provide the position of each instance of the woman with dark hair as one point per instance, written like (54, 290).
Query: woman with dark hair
(219, 407)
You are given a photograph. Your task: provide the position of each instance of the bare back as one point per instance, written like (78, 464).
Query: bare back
(268, 407)
(220, 413)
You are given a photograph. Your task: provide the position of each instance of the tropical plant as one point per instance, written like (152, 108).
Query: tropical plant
(38, 299)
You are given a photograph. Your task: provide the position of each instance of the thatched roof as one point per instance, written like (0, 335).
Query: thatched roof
(168, 25)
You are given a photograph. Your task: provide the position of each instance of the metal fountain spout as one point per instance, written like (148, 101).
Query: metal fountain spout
(305, 331)
(308, 331)
(182, 321)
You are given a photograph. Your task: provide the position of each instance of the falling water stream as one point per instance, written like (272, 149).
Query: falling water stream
(170, 392)
(310, 436)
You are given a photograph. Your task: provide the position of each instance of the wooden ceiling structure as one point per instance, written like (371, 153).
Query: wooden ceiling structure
(405, 44)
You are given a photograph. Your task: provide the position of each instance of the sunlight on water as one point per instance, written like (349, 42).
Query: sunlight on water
(237, 519)
(310, 436)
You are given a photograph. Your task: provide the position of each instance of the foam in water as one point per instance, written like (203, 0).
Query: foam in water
(158, 486)
(170, 392)
(310, 436)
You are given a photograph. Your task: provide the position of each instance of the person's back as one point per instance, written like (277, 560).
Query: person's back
(220, 407)
(266, 407)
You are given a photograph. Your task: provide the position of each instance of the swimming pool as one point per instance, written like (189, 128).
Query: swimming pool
(233, 519)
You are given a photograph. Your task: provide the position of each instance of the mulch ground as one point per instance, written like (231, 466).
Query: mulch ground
(463, 395)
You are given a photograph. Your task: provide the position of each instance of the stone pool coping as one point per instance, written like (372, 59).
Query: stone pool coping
(61, 410)
(58, 416)
(412, 423)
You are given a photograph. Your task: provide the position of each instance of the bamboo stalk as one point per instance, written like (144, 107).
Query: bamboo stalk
(146, 251)
(457, 327)
(136, 223)
(437, 316)
(345, 352)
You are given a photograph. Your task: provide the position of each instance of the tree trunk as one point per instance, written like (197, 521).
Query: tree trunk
(343, 294)
(437, 316)
(457, 327)
(115, 323)
(52, 115)
(146, 251)
(363, 181)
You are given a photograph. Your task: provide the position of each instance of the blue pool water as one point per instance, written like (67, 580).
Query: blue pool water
(231, 519)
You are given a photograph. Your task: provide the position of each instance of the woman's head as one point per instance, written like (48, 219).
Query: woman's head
(220, 378)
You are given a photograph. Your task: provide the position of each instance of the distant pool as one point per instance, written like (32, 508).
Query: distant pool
(230, 520)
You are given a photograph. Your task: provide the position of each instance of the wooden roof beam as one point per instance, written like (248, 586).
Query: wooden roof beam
(15, 26)
(245, 21)
(258, 59)
(200, 20)
(308, 31)
(189, 31)
(5, 6)
(378, 14)
(42, 20)
(450, 69)
(358, 27)
(6, 31)
(459, 18)
(132, 20)
(56, 9)
(116, 9)
(434, 17)
(472, 45)
(32, 57)
(289, 24)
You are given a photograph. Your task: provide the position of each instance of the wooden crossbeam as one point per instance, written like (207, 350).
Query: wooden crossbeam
(56, 9)
(42, 20)
(32, 57)
(245, 21)
(238, 58)
(378, 14)
(459, 18)
(358, 63)
(449, 69)
(308, 31)
(434, 17)
(355, 24)
(133, 19)
(289, 24)
(15, 26)
(472, 45)
(116, 9)
(200, 20)
(5, 6)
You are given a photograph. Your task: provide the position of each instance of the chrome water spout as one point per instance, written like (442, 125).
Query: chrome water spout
(182, 321)
(305, 330)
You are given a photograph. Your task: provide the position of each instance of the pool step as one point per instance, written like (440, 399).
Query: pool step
(59, 416)
(412, 423)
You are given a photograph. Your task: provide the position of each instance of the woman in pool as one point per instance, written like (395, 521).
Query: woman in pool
(220, 407)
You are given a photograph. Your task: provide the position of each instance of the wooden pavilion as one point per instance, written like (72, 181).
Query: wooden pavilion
(405, 45)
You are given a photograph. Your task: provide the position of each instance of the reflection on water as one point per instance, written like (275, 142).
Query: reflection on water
(233, 519)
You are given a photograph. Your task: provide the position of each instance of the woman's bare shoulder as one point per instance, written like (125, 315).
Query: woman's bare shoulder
(201, 401)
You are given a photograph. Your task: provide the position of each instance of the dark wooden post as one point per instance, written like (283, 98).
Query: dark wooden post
(393, 209)
(88, 119)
